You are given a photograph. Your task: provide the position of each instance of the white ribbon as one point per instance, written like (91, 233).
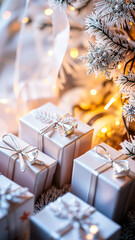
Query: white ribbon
(73, 212)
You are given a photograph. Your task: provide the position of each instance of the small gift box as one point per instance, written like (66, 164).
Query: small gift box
(71, 218)
(57, 134)
(26, 165)
(104, 178)
(16, 206)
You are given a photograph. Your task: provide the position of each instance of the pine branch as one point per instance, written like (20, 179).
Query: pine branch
(117, 12)
(102, 32)
(126, 83)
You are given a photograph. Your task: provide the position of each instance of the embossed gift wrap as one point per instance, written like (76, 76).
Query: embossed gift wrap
(109, 194)
(62, 148)
(36, 177)
(71, 218)
(14, 214)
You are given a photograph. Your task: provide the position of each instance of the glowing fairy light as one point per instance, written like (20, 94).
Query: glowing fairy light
(117, 123)
(93, 92)
(74, 52)
(48, 12)
(50, 53)
(119, 66)
(94, 229)
(3, 100)
(25, 20)
(104, 130)
(72, 8)
(6, 15)
(89, 236)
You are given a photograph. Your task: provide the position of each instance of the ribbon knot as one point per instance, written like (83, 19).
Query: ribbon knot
(120, 167)
(74, 213)
(27, 155)
(65, 124)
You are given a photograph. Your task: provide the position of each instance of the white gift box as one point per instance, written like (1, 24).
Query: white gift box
(62, 148)
(109, 194)
(71, 218)
(14, 215)
(36, 177)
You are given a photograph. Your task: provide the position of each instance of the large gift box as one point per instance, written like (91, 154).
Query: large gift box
(57, 134)
(26, 165)
(71, 218)
(104, 178)
(16, 206)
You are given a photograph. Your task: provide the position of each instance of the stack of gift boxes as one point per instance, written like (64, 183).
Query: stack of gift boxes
(55, 147)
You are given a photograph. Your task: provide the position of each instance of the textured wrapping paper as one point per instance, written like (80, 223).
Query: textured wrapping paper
(63, 149)
(14, 218)
(37, 178)
(110, 195)
(46, 225)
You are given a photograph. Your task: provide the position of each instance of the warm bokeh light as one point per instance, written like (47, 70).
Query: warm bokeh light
(50, 53)
(119, 66)
(93, 91)
(6, 15)
(117, 122)
(89, 236)
(104, 130)
(131, 23)
(74, 52)
(45, 80)
(25, 20)
(48, 12)
(72, 8)
(3, 100)
(93, 229)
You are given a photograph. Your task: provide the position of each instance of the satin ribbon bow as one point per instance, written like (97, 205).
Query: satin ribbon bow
(65, 123)
(29, 153)
(120, 167)
(72, 211)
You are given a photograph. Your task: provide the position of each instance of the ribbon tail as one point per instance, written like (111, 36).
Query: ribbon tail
(66, 229)
(22, 163)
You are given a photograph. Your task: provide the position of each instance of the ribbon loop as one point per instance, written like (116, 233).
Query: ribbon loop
(120, 167)
(28, 153)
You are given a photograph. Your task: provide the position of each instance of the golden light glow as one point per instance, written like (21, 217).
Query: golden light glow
(48, 11)
(93, 91)
(93, 229)
(72, 8)
(25, 20)
(103, 130)
(113, 99)
(3, 100)
(119, 66)
(131, 23)
(6, 15)
(50, 53)
(74, 52)
(45, 80)
(89, 236)
(117, 123)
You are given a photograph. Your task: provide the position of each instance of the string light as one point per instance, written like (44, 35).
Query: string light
(72, 8)
(89, 236)
(74, 52)
(25, 20)
(50, 53)
(6, 15)
(131, 23)
(48, 12)
(93, 92)
(94, 229)
(119, 66)
(104, 130)
(117, 123)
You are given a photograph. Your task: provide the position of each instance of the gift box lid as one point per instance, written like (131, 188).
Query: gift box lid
(51, 223)
(38, 123)
(11, 205)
